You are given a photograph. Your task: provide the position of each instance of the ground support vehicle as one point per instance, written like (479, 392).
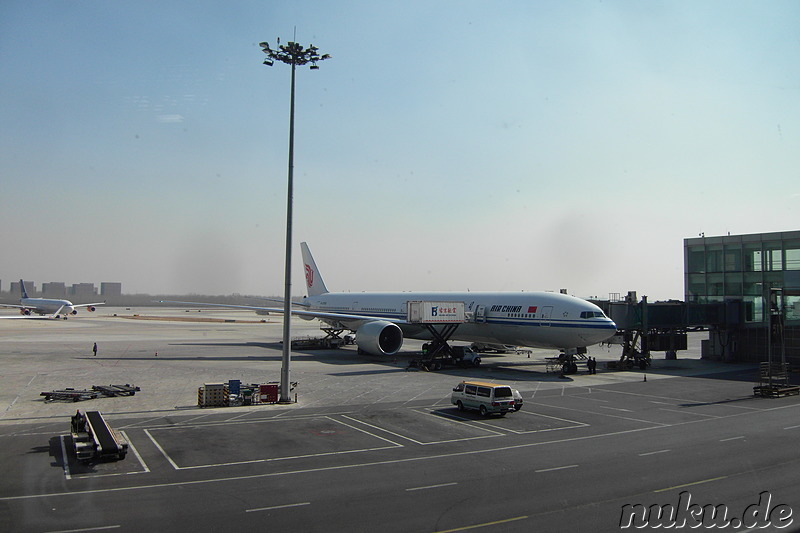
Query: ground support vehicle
(517, 399)
(93, 438)
(487, 398)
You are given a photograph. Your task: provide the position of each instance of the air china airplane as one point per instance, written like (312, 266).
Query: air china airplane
(379, 320)
(45, 306)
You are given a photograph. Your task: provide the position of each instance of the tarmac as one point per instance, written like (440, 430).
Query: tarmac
(370, 444)
(169, 353)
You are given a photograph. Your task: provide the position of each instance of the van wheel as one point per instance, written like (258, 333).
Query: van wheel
(483, 410)
(517, 407)
(476, 361)
(460, 405)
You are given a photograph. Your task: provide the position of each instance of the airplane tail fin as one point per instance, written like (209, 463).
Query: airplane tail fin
(314, 284)
(22, 289)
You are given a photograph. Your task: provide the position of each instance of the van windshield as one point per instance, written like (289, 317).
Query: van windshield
(502, 392)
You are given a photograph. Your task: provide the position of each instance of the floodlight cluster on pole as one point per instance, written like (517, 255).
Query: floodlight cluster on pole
(292, 54)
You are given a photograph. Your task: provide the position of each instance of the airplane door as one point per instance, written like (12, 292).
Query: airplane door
(480, 314)
(547, 311)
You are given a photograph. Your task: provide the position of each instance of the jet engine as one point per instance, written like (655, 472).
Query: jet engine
(91, 309)
(379, 337)
(24, 311)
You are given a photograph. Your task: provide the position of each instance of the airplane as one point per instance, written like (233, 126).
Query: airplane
(380, 320)
(45, 306)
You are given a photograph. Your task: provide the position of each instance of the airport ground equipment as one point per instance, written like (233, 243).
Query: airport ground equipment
(331, 341)
(116, 390)
(235, 393)
(773, 381)
(71, 395)
(441, 319)
(447, 356)
(77, 395)
(93, 438)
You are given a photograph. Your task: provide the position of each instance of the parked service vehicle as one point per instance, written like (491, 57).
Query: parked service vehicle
(487, 398)
(517, 399)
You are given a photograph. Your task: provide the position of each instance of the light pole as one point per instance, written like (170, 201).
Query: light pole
(292, 54)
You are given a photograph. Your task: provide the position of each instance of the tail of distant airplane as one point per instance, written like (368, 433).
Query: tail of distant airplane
(314, 284)
(22, 289)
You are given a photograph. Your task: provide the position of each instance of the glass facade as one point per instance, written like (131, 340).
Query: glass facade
(744, 267)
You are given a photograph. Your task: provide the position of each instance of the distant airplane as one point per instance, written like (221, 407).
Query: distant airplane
(381, 320)
(45, 306)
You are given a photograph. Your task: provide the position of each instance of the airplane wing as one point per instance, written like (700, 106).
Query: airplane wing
(14, 306)
(87, 305)
(348, 321)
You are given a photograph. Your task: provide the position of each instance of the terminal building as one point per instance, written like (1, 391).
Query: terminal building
(757, 279)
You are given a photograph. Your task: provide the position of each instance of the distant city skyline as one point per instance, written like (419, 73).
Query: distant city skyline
(452, 145)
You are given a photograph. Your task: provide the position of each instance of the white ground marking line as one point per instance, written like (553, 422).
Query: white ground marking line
(135, 452)
(555, 468)
(432, 486)
(688, 412)
(64, 458)
(371, 464)
(645, 454)
(271, 459)
(573, 424)
(495, 433)
(342, 467)
(394, 444)
(792, 427)
(288, 505)
(99, 528)
(680, 400)
(163, 452)
(12, 403)
(483, 425)
(288, 458)
(654, 424)
(383, 429)
(231, 419)
(732, 438)
(185, 422)
(615, 408)
(582, 397)
(143, 423)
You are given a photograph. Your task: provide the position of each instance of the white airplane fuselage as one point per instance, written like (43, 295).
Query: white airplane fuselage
(534, 319)
(46, 306)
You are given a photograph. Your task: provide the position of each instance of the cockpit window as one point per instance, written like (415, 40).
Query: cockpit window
(592, 314)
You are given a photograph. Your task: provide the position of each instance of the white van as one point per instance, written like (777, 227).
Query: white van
(486, 397)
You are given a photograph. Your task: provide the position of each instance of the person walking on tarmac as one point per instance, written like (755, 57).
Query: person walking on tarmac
(94, 349)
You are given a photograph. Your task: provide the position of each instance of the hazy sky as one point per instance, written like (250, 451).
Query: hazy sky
(448, 145)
